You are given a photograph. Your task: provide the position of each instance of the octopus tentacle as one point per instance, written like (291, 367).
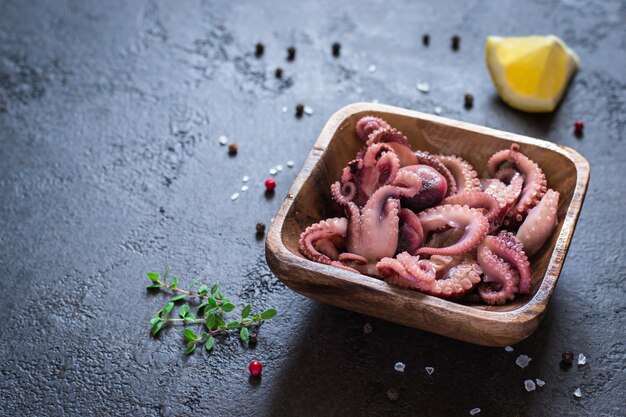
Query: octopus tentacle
(464, 174)
(506, 246)
(425, 158)
(506, 195)
(471, 221)
(396, 141)
(501, 281)
(478, 200)
(367, 125)
(539, 223)
(323, 230)
(535, 184)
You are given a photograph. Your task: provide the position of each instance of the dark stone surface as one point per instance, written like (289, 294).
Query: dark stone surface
(110, 167)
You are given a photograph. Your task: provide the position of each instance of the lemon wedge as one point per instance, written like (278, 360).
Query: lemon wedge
(530, 73)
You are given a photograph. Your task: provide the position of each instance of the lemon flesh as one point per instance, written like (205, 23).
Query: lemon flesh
(530, 73)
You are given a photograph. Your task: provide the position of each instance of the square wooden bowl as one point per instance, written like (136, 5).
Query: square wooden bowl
(309, 201)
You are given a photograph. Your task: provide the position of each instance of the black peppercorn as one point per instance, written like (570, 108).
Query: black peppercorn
(567, 358)
(279, 72)
(260, 48)
(299, 110)
(336, 49)
(469, 101)
(426, 39)
(456, 40)
(232, 149)
(260, 228)
(291, 53)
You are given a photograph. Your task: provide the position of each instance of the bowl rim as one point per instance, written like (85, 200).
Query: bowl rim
(525, 313)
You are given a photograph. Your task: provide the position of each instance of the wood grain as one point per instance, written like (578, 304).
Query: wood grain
(309, 201)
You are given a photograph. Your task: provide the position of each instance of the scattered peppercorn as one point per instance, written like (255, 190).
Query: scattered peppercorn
(426, 39)
(252, 339)
(299, 110)
(161, 210)
(393, 394)
(456, 40)
(260, 228)
(232, 149)
(469, 101)
(291, 53)
(260, 48)
(255, 368)
(567, 358)
(270, 184)
(579, 126)
(279, 72)
(336, 49)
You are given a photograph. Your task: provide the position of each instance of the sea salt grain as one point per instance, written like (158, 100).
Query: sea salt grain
(474, 411)
(540, 382)
(284, 109)
(222, 140)
(372, 68)
(273, 171)
(508, 348)
(308, 110)
(245, 178)
(279, 168)
(290, 164)
(399, 367)
(244, 188)
(529, 384)
(522, 361)
(234, 196)
(438, 110)
(423, 87)
(582, 359)
(429, 370)
(578, 393)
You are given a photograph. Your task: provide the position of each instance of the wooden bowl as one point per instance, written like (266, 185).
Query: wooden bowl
(309, 201)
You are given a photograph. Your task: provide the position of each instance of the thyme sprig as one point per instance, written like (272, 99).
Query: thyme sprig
(210, 313)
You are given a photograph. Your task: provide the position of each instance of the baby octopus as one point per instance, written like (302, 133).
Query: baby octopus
(428, 223)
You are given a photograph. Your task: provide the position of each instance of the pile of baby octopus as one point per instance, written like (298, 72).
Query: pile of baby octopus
(428, 223)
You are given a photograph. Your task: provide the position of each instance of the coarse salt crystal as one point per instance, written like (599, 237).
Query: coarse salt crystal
(308, 110)
(245, 178)
(223, 140)
(234, 196)
(578, 393)
(438, 109)
(582, 359)
(399, 366)
(423, 87)
(290, 164)
(529, 384)
(367, 328)
(279, 168)
(372, 68)
(244, 188)
(284, 109)
(522, 361)
(474, 411)
(429, 370)
(508, 348)
(540, 382)
(273, 171)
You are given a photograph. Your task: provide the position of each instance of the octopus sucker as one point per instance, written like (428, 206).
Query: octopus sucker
(539, 224)
(464, 174)
(471, 221)
(428, 223)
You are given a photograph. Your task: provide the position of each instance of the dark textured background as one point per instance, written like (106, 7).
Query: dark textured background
(110, 111)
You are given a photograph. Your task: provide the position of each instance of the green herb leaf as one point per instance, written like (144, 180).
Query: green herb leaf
(154, 276)
(190, 335)
(191, 346)
(193, 283)
(268, 314)
(210, 321)
(218, 295)
(228, 307)
(214, 289)
(154, 319)
(182, 312)
(246, 311)
(232, 324)
(219, 322)
(174, 284)
(168, 307)
(190, 319)
(212, 302)
(243, 334)
(178, 297)
(256, 317)
(209, 343)
(153, 286)
(156, 328)
(203, 290)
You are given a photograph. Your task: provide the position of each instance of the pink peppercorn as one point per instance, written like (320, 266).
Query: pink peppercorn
(579, 125)
(270, 184)
(255, 368)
